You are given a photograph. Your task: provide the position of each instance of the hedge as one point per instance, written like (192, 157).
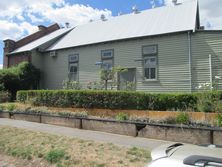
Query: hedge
(108, 99)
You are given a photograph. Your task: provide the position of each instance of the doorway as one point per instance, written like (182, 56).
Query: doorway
(127, 79)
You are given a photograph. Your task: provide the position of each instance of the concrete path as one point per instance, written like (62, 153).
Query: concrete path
(85, 134)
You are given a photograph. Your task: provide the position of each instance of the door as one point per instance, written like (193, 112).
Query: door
(127, 79)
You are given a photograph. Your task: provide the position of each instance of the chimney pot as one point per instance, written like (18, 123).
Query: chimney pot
(135, 10)
(41, 27)
(174, 2)
(103, 17)
(67, 24)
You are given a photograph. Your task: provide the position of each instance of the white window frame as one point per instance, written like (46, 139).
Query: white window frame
(150, 67)
(108, 58)
(74, 62)
(145, 56)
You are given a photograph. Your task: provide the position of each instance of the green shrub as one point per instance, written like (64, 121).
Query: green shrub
(10, 107)
(4, 96)
(219, 119)
(210, 101)
(205, 102)
(54, 156)
(182, 118)
(122, 117)
(2, 108)
(22, 77)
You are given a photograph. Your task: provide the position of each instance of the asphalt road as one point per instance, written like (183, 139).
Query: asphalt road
(85, 134)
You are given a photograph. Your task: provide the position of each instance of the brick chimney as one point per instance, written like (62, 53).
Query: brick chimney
(42, 32)
(11, 45)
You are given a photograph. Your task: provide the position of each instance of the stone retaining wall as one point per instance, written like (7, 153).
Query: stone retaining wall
(110, 127)
(170, 133)
(26, 117)
(217, 137)
(162, 132)
(4, 115)
(61, 121)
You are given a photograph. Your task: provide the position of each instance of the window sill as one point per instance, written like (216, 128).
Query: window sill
(150, 80)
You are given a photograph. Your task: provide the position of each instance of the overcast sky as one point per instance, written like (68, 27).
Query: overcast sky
(21, 17)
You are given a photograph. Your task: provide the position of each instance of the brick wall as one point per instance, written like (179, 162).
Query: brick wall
(18, 58)
(11, 45)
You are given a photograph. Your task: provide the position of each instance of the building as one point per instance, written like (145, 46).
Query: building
(164, 49)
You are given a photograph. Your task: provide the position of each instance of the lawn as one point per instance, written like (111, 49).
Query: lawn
(51, 150)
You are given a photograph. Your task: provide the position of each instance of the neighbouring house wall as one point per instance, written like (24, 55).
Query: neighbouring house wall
(18, 58)
(173, 60)
(203, 44)
(10, 45)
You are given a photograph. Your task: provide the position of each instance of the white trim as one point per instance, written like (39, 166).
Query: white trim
(210, 70)
(190, 59)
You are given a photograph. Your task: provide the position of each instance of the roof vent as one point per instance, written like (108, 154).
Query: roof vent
(135, 9)
(103, 17)
(67, 25)
(120, 13)
(175, 2)
(201, 28)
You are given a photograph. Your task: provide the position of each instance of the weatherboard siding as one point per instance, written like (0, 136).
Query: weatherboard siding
(173, 68)
(203, 44)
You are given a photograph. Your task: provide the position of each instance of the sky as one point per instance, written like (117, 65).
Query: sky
(19, 18)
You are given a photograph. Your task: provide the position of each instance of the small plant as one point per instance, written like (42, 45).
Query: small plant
(73, 114)
(71, 85)
(54, 156)
(2, 108)
(205, 102)
(219, 119)
(183, 118)
(10, 107)
(81, 114)
(95, 85)
(122, 116)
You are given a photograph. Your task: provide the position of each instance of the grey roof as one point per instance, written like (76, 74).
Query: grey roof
(162, 20)
(32, 45)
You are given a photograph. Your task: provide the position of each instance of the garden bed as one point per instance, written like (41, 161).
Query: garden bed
(134, 115)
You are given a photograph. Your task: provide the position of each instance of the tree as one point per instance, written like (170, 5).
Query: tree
(22, 77)
(110, 74)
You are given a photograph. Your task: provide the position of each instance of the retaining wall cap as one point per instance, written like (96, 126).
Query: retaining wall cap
(128, 122)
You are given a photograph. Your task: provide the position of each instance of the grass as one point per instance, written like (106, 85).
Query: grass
(64, 151)
(54, 156)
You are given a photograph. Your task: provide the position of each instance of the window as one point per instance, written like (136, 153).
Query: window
(73, 67)
(150, 62)
(107, 59)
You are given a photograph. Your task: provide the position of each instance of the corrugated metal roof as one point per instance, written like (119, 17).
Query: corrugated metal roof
(162, 20)
(42, 40)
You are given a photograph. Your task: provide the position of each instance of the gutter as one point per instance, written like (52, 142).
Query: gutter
(190, 59)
